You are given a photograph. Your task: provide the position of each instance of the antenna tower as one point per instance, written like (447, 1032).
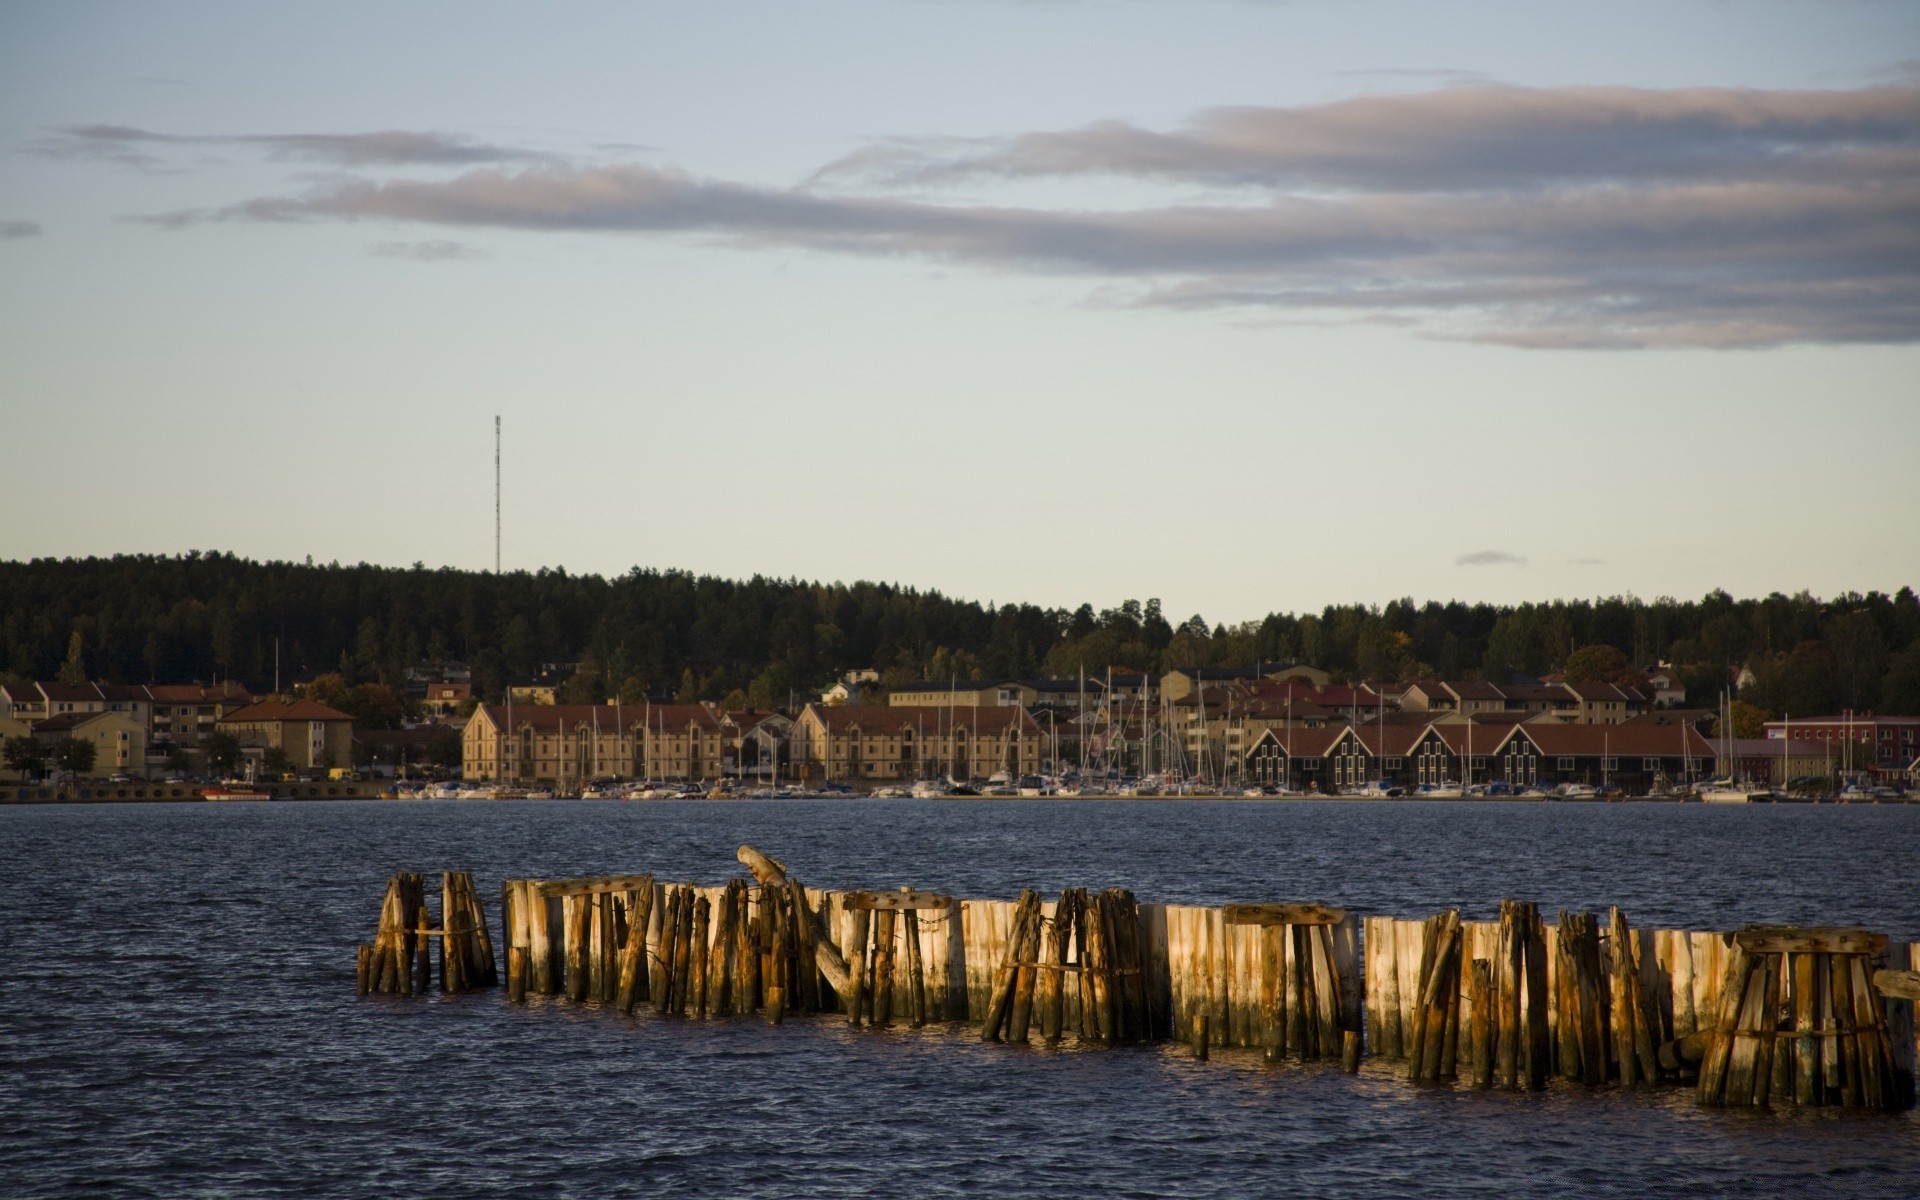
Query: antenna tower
(496, 493)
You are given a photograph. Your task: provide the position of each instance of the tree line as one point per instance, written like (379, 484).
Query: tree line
(206, 616)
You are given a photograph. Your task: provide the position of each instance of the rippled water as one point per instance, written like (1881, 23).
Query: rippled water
(178, 1018)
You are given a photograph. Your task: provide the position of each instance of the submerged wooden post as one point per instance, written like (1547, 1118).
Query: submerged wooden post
(423, 954)
(1350, 1051)
(697, 965)
(883, 963)
(363, 968)
(683, 951)
(1202, 1032)
(1050, 988)
(776, 1006)
(517, 974)
(857, 966)
(916, 970)
(669, 937)
(1480, 1036)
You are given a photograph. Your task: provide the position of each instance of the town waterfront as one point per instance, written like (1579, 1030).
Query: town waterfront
(181, 1004)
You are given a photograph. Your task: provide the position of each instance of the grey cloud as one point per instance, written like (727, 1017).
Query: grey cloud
(390, 147)
(1456, 138)
(1358, 217)
(428, 251)
(1491, 558)
(19, 229)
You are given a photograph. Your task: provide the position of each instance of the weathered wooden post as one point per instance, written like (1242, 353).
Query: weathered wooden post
(698, 964)
(517, 974)
(883, 961)
(857, 965)
(916, 969)
(1480, 1037)
(363, 968)
(1202, 1032)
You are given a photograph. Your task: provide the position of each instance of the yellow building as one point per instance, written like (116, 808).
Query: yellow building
(898, 742)
(566, 743)
(119, 741)
(313, 735)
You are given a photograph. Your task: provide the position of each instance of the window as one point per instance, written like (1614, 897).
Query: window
(1610, 764)
(1649, 764)
(1395, 764)
(1566, 764)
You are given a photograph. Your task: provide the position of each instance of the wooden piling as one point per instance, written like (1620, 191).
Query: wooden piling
(1000, 1000)
(1202, 1030)
(1480, 1035)
(808, 971)
(363, 968)
(771, 898)
(697, 960)
(1350, 1051)
(883, 964)
(916, 969)
(423, 954)
(683, 951)
(855, 998)
(517, 974)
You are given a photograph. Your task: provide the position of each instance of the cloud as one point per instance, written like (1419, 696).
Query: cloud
(19, 229)
(1491, 558)
(390, 147)
(428, 251)
(1543, 218)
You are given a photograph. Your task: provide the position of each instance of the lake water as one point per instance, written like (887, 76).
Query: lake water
(178, 1018)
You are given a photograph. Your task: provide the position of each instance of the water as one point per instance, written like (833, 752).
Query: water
(178, 1018)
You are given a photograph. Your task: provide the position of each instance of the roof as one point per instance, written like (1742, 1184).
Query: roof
(1601, 691)
(196, 693)
(1389, 740)
(449, 691)
(1537, 691)
(71, 691)
(1616, 740)
(994, 720)
(1856, 720)
(551, 718)
(68, 722)
(1474, 689)
(284, 710)
(124, 692)
(1485, 734)
(1301, 743)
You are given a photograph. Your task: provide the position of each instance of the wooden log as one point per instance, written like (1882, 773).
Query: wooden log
(683, 951)
(1000, 1000)
(1050, 987)
(669, 940)
(773, 898)
(1508, 980)
(1450, 1023)
(697, 965)
(1282, 914)
(828, 958)
(1752, 1019)
(1086, 1025)
(1383, 1034)
(884, 921)
(1536, 995)
(642, 919)
(423, 952)
(1298, 998)
(1273, 1029)
(1872, 1051)
(1202, 1034)
(1765, 1025)
(1350, 1051)
(1423, 1017)
(517, 974)
(1717, 1056)
(1481, 1034)
(721, 958)
(917, 972)
(1098, 964)
(1801, 939)
(744, 952)
(1622, 998)
(363, 968)
(765, 870)
(1681, 1053)
(573, 925)
(855, 997)
(1326, 990)
(1026, 973)
(807, 999)
(1897, 985)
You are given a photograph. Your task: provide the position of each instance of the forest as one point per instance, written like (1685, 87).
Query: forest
(207, 616)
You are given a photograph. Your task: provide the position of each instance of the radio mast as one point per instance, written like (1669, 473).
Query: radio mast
(496, 493)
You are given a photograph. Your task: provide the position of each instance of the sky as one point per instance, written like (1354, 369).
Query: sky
(1248, 306)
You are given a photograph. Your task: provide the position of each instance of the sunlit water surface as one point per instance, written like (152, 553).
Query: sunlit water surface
(178, 1018)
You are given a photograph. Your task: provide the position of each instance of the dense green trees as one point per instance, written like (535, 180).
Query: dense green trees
(206, 616)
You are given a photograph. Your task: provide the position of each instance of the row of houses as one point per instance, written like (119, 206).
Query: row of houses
(1634, 757)
(555, 743)
(135, 728)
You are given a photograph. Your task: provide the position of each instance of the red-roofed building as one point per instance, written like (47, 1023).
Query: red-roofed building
(1860, 741)
(313, 735)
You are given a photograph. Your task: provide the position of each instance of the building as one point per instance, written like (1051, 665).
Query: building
(1883, 745)
(532, 692)
(1180, 682)
(758, 743)
(1774, 760)
(1291, 758)
(184, 714)
(1668, 691)
(132, 699)
(567, 743)
(23, 702)
(875, 743)
(1604, 703)
(938, 693)
(442, 701)
(313, 735)
(119, 742)
(1634, 757)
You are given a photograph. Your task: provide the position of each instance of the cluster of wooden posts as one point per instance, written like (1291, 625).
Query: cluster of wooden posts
(1764, 1017)
(399, 962)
